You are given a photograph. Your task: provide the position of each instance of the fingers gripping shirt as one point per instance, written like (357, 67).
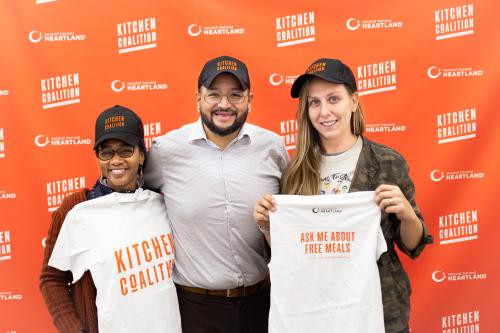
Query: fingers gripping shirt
(323, 269)
(126, 243)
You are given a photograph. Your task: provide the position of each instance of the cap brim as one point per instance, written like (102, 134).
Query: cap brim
(129, 139)
(299, 82)
(208, 81)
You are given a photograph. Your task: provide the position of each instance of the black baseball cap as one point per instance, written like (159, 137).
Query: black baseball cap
(331, 70)
(118, 122)
(224, 64)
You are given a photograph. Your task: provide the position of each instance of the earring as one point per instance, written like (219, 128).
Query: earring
(140, 170)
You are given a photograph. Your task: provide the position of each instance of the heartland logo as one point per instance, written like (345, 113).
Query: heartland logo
(4, 195)
(5, 249)
(195, 30)
(455, 126)
(288, 132)
(466, 322)
(295, 29)
(440, 276)
(355, 24)
(277, 79)
(454, 21)
(151, 132)
(377, 77)
(317, 210)
(458, 227)
(119, 86)
(438, 175)
(43, 141)
(36, 36)
(384, 128)
(59, 189)
(60, 90)
(435, 72)
(10, 296)
(136, 35)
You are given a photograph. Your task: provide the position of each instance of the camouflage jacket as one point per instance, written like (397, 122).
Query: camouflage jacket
(377, 165)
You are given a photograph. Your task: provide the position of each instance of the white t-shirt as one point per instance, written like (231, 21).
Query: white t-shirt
(324, 274)
(336, 171)
(124, 239)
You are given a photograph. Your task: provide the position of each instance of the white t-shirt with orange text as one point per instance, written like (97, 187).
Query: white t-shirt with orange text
(324, 274)
(125, 241)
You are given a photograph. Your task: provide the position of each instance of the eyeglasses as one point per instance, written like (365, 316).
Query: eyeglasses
(214, 97)
(105, 154)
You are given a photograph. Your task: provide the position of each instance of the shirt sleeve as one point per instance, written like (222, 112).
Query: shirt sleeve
(72, 251)
(284, 157)
(153, 179)
(408, 189)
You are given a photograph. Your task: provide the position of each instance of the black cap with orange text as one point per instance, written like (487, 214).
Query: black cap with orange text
(331, 70)
(224, 64)
(118, 122)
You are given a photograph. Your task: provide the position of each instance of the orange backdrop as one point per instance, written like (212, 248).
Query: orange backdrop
(428, 74)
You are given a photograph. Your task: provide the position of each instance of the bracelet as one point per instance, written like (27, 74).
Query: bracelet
(264, 231)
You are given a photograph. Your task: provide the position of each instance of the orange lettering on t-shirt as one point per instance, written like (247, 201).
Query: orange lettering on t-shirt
(135, 247)
(321, 236)
(170, 267)
(306, 237)
(165, 244)
(145, 248)
(123, 282)
(149, 278)
(160, 266)
(133, 283)
(142, 280)
(313, 248)
(139, 256)
(157, 247)
(171, 241)
(129, 258)
(119, 262)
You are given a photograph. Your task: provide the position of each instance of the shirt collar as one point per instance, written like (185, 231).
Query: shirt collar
(197, 132)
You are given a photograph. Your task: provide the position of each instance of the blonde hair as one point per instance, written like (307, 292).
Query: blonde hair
(302, 176)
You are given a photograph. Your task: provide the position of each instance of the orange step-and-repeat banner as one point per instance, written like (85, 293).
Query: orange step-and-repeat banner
(428, 74)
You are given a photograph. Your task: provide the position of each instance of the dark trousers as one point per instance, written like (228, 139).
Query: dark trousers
(215, 314)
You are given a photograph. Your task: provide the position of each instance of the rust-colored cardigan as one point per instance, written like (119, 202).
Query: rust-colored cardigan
(72, 306)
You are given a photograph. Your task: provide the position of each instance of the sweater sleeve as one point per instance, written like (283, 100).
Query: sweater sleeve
(55, 285)
(407, 187)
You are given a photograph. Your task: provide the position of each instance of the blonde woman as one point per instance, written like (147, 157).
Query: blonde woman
(332, 157)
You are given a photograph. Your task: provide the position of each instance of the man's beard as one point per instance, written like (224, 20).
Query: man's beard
(236, 126)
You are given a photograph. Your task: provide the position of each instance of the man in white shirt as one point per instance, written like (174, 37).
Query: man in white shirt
(212, 172)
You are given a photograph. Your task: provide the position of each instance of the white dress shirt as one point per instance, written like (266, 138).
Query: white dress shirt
(210, 194)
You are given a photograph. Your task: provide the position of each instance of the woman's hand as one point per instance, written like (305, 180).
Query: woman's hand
(391, 200)
(261, 211)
